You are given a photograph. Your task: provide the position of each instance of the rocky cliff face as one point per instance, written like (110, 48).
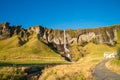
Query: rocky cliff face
(4, 31)
(55, 38)
(106, 35)
(7, 31)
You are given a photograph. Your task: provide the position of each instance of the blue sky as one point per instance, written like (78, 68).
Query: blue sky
(60, 14)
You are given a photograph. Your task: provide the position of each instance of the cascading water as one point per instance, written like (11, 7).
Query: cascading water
(66, 50)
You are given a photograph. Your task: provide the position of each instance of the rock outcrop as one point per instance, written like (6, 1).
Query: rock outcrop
(4, 30)
(7, 31)
(107, 35)
(55, 38)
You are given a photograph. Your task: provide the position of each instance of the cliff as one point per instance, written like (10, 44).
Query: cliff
(55, 38)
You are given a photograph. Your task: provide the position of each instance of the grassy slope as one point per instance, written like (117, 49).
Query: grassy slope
(81, 69)
(33, 51)
(9, 43)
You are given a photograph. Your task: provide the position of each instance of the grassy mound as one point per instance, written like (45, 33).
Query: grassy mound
(33, 50)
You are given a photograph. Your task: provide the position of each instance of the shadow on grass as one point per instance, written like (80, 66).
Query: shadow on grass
(6, 63)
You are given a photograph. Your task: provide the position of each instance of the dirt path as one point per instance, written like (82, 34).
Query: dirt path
(102, 73)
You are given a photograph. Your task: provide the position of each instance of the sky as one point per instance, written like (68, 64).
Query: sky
(60, 14)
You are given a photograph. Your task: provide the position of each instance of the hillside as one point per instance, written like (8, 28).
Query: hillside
(32, 52)
(38, 45)
(33, 47)
(9, 43)
(82, 69)
(37, 42)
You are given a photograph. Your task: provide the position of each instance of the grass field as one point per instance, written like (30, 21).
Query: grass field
(80, 70)
(13, 56)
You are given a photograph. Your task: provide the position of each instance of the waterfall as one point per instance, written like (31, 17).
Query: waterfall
(66, 50)
(64, 40)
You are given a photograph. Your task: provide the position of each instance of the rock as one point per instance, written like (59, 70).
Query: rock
(86, 37)
(56, 41)
(115, 35)
(4, 30)
(73, 40)
(99, 39)
(50, 38)
(55, 38)
(38, 30)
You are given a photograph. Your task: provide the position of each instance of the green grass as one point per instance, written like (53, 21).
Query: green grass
(32, 52)
(9, 43)
(118, 35)
(114, 65)
(115, 62)
(118, 39)
(30, 63)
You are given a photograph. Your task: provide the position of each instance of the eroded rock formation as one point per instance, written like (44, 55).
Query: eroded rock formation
(55, 38)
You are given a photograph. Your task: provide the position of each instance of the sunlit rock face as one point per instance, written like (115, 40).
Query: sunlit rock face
(97, 36)
(4, 30)
(7, 31)
(37, 30)
(87, 37)
(55, 38)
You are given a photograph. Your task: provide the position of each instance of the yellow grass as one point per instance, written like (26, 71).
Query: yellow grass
(84, 67)
(114, 65)
(9, 43)
(33, 50)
